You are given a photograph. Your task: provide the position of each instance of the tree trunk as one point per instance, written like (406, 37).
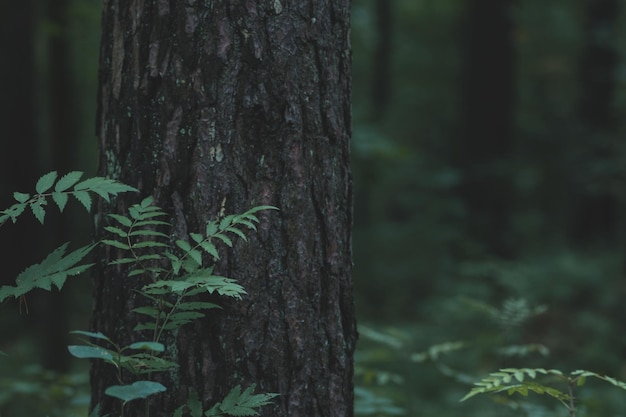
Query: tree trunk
(486, 140)
(598, 211)
(204, 104)
(381, 81)
(19, 122)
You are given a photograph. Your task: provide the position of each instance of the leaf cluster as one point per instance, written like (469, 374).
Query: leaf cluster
(524, 380)
(52, 271)
(236, 403)
(59, 189)
(176, 271)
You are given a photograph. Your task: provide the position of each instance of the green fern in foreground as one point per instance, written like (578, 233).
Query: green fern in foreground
(524, 380)
(173, 273)
(236, 403)
(57, 266)
(59, 190)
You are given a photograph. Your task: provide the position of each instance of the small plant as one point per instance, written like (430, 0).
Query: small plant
(57, 266)
(174, 274)
(525, 380)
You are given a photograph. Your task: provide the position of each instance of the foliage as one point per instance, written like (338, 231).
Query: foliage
(57, 266)
(173, 273)
(69, 185)
(524, 380)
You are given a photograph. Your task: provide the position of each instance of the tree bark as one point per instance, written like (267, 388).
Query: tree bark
(204, 104)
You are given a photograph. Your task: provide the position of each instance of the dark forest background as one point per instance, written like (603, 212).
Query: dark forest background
(489, 160)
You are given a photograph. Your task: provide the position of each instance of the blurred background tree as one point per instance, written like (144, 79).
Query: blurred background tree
(489, 166)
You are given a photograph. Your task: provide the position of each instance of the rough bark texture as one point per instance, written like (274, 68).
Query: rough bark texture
(241, 103)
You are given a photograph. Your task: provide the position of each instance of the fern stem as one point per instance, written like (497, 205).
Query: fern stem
(572, 407)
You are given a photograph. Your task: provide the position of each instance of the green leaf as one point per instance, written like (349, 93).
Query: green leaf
(196, 256)
(91, 352)
(148, 311)
(237, 232)
(84, 198)
(226, 221)
(124, 221)
(21, 197)
(116, 230)
(60, 199)
(150, 245)
(197, 305)
(53, 270)
(224, 239)
(151, 346)
(185, 246)
(137, 390)
(95, 335)
(148, 233)
(211, 229)
(237, 403)
(38, 210)
(45, 182)
(197, 237)
(115, 244)
(194, 404)
(68, 180)
(210, 248)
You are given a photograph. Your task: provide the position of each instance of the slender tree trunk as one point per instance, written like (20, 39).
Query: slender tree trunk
(381, 82)
(597, 213)
(486, 140)
(212, 103)
(18, 119)
(63, 137)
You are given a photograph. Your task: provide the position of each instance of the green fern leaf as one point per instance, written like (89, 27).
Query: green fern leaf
(238, 404)
(67, 180)
(197, 237)
(15, 211)
(246, 223)
(52, 271)
(60, 199)
(226, 221)
(197, 305)
(148, 233)
(116, 244)
(37, 208)
(116, 230)
(148, 311)
(21, 197)
(151, 223)
(237, 232)
(150, 244)
(211, 229)
(84, 198)
(45, 182)
(104, 186)
(124, 221)
(210, 248)
(224, 239)
(185, 246)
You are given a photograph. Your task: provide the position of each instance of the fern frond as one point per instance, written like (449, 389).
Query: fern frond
(52, 271)
(237, 403)
(103, 187)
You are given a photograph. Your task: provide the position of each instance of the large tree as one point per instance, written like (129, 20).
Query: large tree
(211, 104)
